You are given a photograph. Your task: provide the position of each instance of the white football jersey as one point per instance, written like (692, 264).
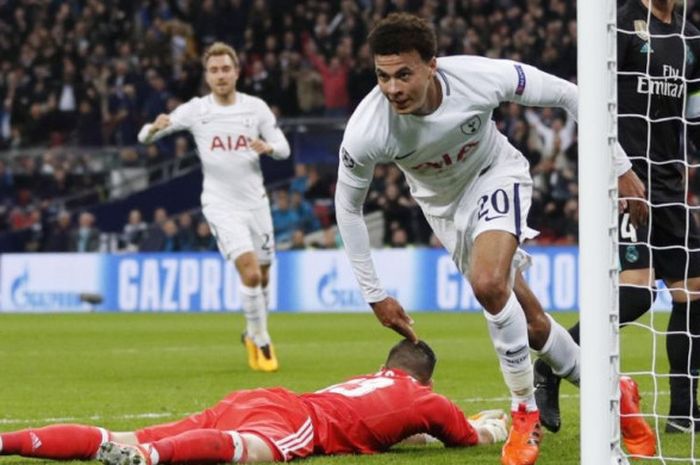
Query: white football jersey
(443, 152)
(222, 133)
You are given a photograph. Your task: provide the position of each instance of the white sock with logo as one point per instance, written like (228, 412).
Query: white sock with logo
(508, 330)
(562, 353)
(253, 303)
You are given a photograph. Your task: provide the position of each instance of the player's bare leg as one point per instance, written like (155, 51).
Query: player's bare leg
(261, 352)
(684, 327)
(557, 351)
(196, 446)
(490, 268)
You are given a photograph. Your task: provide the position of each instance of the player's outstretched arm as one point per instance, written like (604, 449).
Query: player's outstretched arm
(348, 206)
(181, 119)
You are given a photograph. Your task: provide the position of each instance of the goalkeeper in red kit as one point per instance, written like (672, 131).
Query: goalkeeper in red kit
(363, 415)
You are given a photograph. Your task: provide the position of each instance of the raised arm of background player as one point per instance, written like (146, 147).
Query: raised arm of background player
(273, 142)
(355, 173)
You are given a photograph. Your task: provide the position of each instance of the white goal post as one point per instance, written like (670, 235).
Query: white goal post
(596, 25)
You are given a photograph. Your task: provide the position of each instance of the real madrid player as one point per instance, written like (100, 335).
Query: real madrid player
(232, 130)
(658, 91)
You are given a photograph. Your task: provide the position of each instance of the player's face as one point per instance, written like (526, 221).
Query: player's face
(405, 79)
(221, 75)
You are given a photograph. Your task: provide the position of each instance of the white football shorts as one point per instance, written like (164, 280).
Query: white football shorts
(499, 199)
(240, 231)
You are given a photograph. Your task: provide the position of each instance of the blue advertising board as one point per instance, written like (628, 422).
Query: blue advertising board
(301, 281)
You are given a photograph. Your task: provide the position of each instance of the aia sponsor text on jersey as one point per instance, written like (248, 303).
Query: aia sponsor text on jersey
(229, 143)
(448, 159)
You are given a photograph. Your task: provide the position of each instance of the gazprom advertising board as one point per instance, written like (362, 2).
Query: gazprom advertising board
(314, 280)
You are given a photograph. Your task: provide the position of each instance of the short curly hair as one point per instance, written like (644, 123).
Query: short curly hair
(403, 32)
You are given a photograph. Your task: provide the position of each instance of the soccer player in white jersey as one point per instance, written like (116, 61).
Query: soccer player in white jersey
(232, 130)
(432, 118)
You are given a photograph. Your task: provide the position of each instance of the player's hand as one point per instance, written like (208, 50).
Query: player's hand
(260, 146)
(629, 185)
(391, 314)
(162, 121)
(491, 425)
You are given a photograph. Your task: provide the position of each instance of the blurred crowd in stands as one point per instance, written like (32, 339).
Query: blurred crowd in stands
(91, 72)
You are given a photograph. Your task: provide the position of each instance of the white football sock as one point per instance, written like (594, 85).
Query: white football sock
(562, 353)
(508, 330)
(253, 303)
(240, 448)
(266, 295)
(0, 444)
(152, 454)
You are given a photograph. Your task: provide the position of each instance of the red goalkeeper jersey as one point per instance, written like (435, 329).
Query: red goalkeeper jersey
(370, 413)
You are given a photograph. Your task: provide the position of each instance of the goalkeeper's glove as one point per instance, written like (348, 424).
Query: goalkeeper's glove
(492, 426)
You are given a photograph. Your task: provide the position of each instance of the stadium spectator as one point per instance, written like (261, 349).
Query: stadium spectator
(399, 238)
(309, 86)
(134, 231)
(330, 239)
(318, 186)
(171, 238)
(35, 234)
(307, 220)
(186, 232)
(396, 208)
(335, 80)
(86, 238)
(154, 163)
(155, 237)
(204, 241)
(58, 239)
(284, 218)
(298, 241)
(250, 426)
(298, 182)
(6, 182)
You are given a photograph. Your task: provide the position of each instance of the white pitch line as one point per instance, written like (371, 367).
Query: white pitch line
(10, 421)
(647, 395)
(152, 415)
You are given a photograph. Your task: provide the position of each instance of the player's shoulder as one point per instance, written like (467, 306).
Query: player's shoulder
(368, 126)
(191, 110)
(194, 105)
(471, 73)
(252, 101)
(470, 64)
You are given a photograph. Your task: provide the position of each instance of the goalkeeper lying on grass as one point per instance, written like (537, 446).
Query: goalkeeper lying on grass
(364, 415)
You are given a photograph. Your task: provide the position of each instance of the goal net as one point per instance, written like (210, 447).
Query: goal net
(637, 76)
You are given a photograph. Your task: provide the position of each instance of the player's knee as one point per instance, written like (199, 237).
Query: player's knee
(490, 289)
(251, 278)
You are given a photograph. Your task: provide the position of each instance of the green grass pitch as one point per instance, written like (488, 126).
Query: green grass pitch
(124, 371)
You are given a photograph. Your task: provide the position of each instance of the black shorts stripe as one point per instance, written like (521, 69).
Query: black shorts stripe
(516, 206)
